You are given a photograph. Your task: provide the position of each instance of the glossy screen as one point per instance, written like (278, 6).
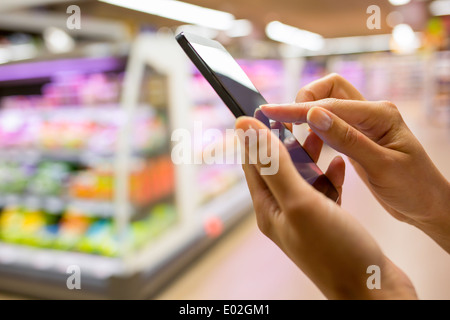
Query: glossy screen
(236, 83)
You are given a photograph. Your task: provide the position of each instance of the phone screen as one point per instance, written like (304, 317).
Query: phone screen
(238, 92)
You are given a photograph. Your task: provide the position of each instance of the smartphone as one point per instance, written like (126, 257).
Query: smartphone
(237, 91)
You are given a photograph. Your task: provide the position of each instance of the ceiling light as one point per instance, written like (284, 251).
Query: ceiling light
(5, 55)
(17, 52)
(399, 2)
(296, 37)
(23, 51)
(180, 11)
(357, 44)
(57, 40)
(440, 7)
(240, 28)
(405, 38)
(394, 18)
(198, 30)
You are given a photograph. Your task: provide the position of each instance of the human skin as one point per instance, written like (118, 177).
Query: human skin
(326, 242)
(382, 149)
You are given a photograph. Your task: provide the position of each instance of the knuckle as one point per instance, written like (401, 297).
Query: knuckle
(305, 94)
(264, 214)
(389, 105)
(263, 226)
(331, 101)
(391, 110)
(351, 136)
(335, 77)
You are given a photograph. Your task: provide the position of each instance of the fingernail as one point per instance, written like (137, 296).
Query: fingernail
(319, 119)
(269, 105)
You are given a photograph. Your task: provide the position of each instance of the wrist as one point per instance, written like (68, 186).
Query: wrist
(437, 226)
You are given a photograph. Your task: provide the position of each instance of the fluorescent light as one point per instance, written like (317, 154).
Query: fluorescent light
(5, 55)
(240, 28)
(440, 7)
(357, 44)
(57, 40)
(399, 2)
(296, 37)
(198, 30)
(24, 4)
(17, 52)
(181, 11)
(405, 38)
(23, 51)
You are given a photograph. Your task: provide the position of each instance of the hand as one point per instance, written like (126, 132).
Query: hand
(384, 152)
(327, 243)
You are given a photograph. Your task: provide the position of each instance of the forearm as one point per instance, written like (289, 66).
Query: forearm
(438, 228)
(394, 285)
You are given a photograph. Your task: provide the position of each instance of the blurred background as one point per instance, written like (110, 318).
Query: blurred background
(90, 92)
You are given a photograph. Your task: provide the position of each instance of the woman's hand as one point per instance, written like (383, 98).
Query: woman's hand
(327, 243)
(384, 152)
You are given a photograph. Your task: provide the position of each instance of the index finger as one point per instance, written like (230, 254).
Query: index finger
(354, 112)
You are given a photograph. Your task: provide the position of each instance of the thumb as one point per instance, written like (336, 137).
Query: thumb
(284, 181)
(341, 136)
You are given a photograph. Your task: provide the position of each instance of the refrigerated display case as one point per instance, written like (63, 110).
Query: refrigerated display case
(86, 176)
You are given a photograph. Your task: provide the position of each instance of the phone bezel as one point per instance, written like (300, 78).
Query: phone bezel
(184, 40)
(206, 71)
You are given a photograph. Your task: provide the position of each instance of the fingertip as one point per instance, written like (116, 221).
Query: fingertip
(244, 123)
(336, 171)
(274, 110)
(269, 106)
(313, 145)
(267, 109)
(339, 159)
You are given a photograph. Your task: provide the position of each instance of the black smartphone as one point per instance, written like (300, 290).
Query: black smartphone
(236, 90)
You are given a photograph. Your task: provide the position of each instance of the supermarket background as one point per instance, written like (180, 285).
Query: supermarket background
(86, 117)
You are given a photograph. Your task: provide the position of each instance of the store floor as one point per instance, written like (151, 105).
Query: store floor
(246, 265)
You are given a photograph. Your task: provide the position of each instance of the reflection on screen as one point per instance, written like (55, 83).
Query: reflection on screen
(239, 86)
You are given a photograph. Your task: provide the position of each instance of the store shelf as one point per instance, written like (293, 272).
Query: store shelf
(93, 208)
(31, 155)
(100, 267)
(85, 207)
(85, 134)
(139, 275)
(49, 204)
(226, 205)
